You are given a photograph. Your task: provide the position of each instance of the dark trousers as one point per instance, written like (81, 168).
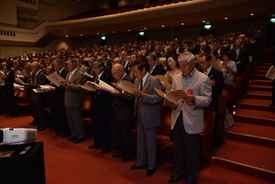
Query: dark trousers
(40, 114)
(31, 106)
(2, 99)
(59, 114)
(10, 101)
(186, 151)
(101, 130)
(120, 130)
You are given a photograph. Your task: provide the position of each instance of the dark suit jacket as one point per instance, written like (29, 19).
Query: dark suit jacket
(242, 57)
(108, 66)
(73, 93)
(9, 80)
(101, 101)
(158, 70)
(195, 49)
(59, 91)
(122, 107)
(216, 75)
(39, 79)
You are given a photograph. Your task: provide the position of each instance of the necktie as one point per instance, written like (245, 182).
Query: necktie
(151, 70)
(97, 80)
(140, 85)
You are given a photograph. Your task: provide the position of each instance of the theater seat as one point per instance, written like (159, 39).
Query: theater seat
(85, 111)
(164, 130)
(21, 99)
(229, 92)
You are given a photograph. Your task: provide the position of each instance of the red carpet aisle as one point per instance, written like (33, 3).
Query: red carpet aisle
(68, 163)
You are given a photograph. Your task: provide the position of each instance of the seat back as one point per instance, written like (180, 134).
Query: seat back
(165, 126)
(208, 122)
(220, 115)
(86, 103)
(229, 91)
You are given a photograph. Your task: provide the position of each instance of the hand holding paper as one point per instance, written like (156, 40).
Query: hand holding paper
(56, 79)
(173, 96)
(129, 87)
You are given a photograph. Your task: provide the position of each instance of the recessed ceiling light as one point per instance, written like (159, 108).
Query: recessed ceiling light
(225, 18)
(97, 33)
(203, 21)
(129, 30)
(67, 36)
(81, 34)
(145, 28)
(162, 25)
(251, 14)
(182, 23)
(113, 31)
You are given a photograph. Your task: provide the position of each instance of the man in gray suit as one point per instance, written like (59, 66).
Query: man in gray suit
(187, 117)
(73, 100)
(147, 116)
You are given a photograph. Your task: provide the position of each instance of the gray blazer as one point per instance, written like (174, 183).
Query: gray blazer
(73, 93)
(192, 114)
(149, 104)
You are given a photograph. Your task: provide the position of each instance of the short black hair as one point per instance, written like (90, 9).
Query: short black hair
(140, 63)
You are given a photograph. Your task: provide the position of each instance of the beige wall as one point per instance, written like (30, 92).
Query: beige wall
(11, 51)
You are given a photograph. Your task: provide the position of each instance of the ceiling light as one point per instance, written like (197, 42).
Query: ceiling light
(162, 25)
(145, 28)
(67, 36)
(203, 21)
(182, 24)
(81, 34)
(251, 14)
(97, 33)
(129, 30)
(225, 18)
(113, 31)
(208, 26)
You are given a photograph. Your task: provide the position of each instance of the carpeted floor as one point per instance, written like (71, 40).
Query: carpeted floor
(68, 163)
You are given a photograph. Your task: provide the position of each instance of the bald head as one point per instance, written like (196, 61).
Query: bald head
(35, 66)
(118, 71)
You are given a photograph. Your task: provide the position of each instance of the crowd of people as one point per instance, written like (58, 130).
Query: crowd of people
(200, 66)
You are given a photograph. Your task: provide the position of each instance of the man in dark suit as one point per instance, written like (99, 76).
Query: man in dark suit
(121, 117)
(216, 78)
(155, 68)
(100, 110)
(59, 109)
(147, 116)
(38, 99)
(194, 47)
(2, 90)
(220, 49)
(9, 91)
(187, 117)
(73, 101)
(239, 55)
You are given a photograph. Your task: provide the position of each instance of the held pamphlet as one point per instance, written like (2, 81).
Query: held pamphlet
(55, 78)
(128, 86)
(172, 96)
